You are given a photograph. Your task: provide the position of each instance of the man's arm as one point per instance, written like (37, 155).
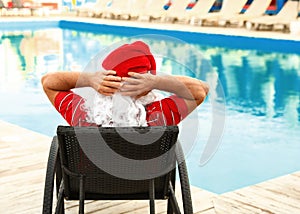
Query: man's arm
(192, 90)
(103, 81)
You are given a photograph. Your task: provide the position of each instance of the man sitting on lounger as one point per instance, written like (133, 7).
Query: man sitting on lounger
(126, 94)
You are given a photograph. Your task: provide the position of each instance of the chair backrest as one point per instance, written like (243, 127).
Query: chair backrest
(202, 7)
(155, 7)
(121, 5)
(258, 7)
(289, 10)
(102, 3)
(17, 3)
(231, 7)
(117, 163)
(178, 6)
(140, 6)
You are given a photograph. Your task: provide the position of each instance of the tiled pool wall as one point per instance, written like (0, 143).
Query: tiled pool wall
(230, 41)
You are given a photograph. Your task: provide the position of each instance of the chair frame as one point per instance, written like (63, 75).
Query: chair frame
(57, 171)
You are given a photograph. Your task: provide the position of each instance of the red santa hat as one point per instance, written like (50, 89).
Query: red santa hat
(134, 57)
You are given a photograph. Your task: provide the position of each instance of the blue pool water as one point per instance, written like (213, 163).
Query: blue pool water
(258, 81)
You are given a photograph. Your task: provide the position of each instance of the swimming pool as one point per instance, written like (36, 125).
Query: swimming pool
(259, 78)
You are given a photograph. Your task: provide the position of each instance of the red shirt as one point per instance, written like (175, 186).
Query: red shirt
(165, 112)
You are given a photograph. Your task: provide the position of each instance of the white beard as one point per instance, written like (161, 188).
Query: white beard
(118, 110)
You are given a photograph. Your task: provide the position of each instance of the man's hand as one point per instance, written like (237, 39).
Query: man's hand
(137, 84)
(104, 82)
(192, 90)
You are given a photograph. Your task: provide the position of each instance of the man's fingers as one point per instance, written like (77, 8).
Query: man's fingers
(108, 94)
(112, 78)
(104, 89)
(134, 75)
(130, 80)
(109, 72)
(110, 84)
(128, 87)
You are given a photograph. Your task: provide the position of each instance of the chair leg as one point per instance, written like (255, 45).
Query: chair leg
(170, 208)
(60, 209)
(81, 194)
(59, 186)
(152, 196)
(49, 181)
(184, 181)
(173, 200)
(58, 174)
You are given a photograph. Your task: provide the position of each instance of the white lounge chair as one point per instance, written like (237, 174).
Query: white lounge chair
(100, 7)
(155, 9)
(201, 8)
(173, 12)
(287, 14)
(119, 9)
(229, 8)
(256, 9)
(139, 8)
(87, 9)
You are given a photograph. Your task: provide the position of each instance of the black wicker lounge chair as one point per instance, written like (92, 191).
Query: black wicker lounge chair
(122, 163)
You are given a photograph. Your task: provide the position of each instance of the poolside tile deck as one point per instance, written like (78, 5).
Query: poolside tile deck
(23, 157)
(279, 195)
